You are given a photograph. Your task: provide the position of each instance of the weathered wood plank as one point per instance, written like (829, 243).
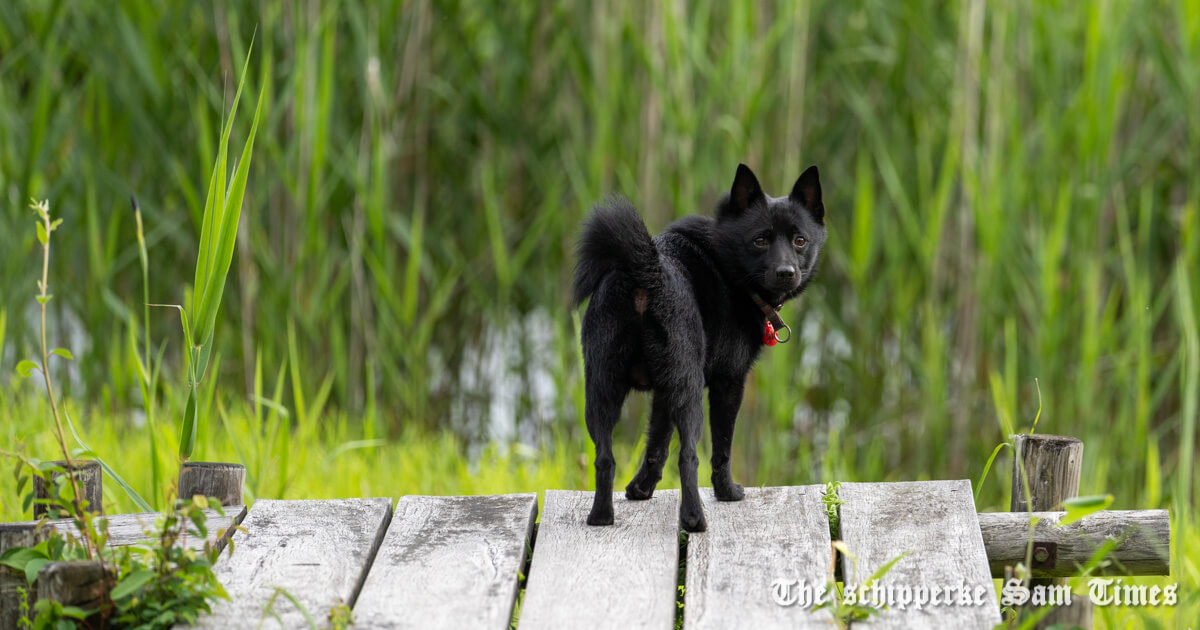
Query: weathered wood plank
(773, 535)
(130, 529)
(619, 576)
(317, 551)
(937, 523)
(1143, 547)
(448, 562)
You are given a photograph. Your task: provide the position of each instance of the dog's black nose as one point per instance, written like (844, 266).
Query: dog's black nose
(785, 272)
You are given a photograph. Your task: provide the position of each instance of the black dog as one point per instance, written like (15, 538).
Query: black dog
(682, 311)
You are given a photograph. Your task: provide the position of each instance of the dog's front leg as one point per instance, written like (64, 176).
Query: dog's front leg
(724, 401)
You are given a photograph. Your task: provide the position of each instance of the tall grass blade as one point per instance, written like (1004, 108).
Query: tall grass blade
(108, 470)
(1189, 382)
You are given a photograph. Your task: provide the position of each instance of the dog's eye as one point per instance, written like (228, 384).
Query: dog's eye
(799, 241)
(760, 241)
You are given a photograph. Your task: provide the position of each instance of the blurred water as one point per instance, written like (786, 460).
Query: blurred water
(506, 389)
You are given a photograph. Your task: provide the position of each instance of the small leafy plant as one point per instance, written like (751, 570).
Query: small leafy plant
(831, 502)
(167, 582)
(340, 617)
(846, 610)
(157, 585)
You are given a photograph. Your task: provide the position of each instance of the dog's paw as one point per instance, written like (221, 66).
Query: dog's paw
(693, 523)
(600, 517)
(729, 491)
(634, 493)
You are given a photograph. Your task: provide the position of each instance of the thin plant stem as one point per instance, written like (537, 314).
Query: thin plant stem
(148, 381)
(43, 209)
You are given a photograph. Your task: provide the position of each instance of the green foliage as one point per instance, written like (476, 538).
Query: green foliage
(832, 510)
(845, 613)
(165, 583)
(681, 580)
(218, 235)
(23, 619)
(406, 202)
(159, 584)
(988, 466)
(145, 363)
(340, 617)
(1080, 507)
(269, 611)
(52, 615)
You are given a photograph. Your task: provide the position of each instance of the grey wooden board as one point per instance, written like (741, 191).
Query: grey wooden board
(773, 534)
(1142, 537)
(130, 529)
(448, 562)
(619, 576)
(317, 551)
(937, 523)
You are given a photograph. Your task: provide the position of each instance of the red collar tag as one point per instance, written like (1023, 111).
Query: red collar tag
(769, 335)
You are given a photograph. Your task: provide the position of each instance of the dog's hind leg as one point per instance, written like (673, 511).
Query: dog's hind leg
(657, 441)
(688, 412)
(724, 400)
(603, 409)
(608, 337)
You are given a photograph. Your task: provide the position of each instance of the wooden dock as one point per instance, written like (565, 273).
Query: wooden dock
(764, 562)
(453, 562)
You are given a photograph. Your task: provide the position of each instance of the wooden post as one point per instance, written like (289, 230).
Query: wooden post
(1052, 465)
(11, 580)
(82, 583)
(224, 481)
(88, 479)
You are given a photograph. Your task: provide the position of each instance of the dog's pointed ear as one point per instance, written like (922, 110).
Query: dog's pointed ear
(807, 192)
(745, 191)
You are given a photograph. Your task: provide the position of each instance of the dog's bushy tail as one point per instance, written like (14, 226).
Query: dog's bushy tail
(614, 238)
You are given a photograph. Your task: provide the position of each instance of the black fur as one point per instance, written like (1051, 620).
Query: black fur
(673, 314)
